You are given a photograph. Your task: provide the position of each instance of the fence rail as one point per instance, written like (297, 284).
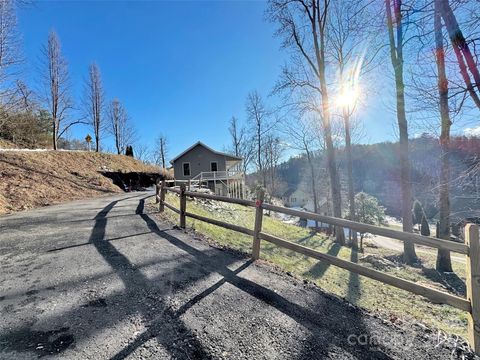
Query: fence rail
(376, 230)
(471, 248)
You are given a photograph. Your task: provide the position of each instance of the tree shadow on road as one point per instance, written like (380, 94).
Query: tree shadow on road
(326, 330)
(135, 279)
(330, 322)
(353, 293)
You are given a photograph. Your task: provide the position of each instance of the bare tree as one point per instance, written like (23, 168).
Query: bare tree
(237, 135)
(396, 54)
(466, 60)
(161, 151)
(302, 136)
(444, 262)
(348, 35)
(120, 126)
(303, 25)
(10, 44)
(241, 145)
(57, 88)
(260, 126)
(273, 149)
(95, 102)
(247, 154)
(143, 153)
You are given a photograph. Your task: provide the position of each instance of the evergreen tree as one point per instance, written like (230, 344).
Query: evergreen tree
(417, 212)
(425, 229)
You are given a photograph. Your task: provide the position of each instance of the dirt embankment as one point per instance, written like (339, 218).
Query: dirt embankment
(30, 179)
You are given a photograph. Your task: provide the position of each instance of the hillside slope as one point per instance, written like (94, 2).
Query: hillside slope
(30, 179)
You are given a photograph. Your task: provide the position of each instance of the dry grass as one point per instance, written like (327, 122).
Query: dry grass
(4, 144)
(34, 179)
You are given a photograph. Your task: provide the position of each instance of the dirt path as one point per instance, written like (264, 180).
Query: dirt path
(100, 279)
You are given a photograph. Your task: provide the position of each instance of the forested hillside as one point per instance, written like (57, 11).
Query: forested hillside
(375, 171)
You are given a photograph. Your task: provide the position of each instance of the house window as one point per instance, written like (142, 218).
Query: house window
(213, 166)
(186, 169)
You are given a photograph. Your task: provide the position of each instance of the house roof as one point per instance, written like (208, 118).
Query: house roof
(228, 156)
(289, 192)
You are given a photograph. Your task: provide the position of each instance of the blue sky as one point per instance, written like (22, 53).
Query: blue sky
(181, 68)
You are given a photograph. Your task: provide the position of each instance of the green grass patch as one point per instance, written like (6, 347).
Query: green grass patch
(366, 293)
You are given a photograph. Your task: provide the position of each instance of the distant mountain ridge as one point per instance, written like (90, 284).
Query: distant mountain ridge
(376, 171)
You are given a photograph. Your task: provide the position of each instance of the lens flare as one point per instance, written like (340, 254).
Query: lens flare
(347, 97)
(349, 85)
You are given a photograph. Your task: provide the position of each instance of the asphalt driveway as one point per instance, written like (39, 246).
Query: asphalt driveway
(102, 279)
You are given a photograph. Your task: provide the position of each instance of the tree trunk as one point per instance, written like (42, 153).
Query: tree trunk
(117, 143)
(351, 192)
(319, 46)
(396, 53)
(409, 254)
(54, 134)
(97, 139)
(444, 262)
(314, 188)
(162, 153)
(335, 188)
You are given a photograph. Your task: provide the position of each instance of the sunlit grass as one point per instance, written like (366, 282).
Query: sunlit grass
(366, 293)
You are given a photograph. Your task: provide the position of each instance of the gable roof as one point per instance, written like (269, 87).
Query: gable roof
(232, 157)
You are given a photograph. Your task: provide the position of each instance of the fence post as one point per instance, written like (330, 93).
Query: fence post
(163, 190)
(183, 205)
(473, 285)
(258, 224)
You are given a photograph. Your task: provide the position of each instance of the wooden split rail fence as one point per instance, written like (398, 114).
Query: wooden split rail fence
(471, 249)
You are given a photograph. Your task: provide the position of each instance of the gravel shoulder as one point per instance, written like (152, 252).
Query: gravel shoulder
(103, 279)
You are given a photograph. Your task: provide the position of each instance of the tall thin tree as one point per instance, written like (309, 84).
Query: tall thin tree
(57, 88)
(301, 135)
(119, 126)
(260, 126)
(444, 262)
(95, 102)
(303, 25)
(237, 135)
(10, 44)
(161, 151)
(396, 56)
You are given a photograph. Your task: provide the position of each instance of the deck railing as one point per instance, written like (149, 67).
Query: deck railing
(471, 248)
(218, 175)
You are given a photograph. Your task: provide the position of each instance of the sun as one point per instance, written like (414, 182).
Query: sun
(347, 97)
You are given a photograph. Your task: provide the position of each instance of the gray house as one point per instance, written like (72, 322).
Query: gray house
(203, 166)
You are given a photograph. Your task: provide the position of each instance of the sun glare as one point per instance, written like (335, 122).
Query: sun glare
(347, 97)
(349, 94)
